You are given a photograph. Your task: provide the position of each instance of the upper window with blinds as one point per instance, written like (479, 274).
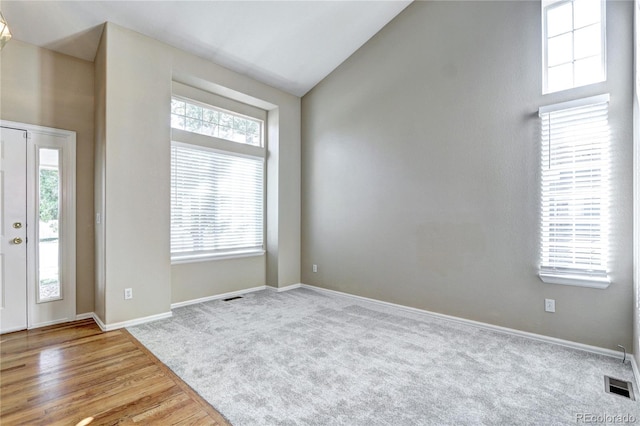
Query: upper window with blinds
(575, 145)
(211, 121)
(573, 40)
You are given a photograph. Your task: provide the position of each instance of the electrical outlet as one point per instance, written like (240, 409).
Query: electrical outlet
(315, 268)
(128, 293)
(549, 305)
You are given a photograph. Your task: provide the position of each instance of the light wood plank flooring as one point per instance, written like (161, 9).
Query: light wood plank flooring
(62, 375)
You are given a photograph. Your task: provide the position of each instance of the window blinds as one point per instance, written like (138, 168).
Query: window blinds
(575, 189)
(216, 202)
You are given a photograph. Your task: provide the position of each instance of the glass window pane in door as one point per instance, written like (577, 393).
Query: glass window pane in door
(48, 225)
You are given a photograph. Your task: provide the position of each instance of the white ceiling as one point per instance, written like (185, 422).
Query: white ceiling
(291, 45)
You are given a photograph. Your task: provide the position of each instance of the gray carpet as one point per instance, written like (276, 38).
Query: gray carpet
(307, 358)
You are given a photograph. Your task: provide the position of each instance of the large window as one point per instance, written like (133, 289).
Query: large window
(575, 192)
(217, 182)
(573, 43)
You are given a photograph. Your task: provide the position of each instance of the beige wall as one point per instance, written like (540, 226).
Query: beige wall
(192, 281)
(138, 72)
(45, 88)
(421, 171)
(135, 214)
(100, 89)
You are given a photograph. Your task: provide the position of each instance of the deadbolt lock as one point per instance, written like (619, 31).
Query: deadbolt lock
(17, 225)
(17, 240)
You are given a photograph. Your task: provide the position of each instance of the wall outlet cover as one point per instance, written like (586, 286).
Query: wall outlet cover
(549, 305)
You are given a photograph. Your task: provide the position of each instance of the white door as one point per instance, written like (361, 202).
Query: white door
(13, 227)
(37, 221)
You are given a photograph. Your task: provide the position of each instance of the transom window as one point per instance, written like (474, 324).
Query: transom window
(573, 43)
(212, 121)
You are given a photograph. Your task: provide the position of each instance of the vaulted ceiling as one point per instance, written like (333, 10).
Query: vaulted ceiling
(291, 45)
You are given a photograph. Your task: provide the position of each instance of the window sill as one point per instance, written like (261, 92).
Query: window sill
(177, 260)
(575, 280)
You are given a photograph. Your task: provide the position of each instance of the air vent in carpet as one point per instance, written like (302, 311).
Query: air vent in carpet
(231, 298)
(618, 387)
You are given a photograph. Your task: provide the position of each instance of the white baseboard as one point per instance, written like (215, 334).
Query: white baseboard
(98, 321)
(95, 318)
(636, 372)
(123, 324)
(217, 296)
(483, 325)
(47, 323)
(13, 330)
(287, 288)
(85, 316)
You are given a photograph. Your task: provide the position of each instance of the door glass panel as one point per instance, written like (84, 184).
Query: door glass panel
(48, 226)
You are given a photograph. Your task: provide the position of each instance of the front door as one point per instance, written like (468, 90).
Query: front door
(13, 227)
(37, 226)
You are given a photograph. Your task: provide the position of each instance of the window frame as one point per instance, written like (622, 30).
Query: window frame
(548, 4)
(582, 277)
(194, 140)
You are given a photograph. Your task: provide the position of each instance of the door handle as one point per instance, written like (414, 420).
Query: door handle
(17, 240)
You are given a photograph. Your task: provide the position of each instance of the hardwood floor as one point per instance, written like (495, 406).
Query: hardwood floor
(62, 375)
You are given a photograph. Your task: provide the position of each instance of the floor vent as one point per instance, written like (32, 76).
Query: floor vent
(231, 298)
(618, 387)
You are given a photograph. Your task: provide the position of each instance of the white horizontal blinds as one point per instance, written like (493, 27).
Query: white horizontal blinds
(216, 202)
(575, 189)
